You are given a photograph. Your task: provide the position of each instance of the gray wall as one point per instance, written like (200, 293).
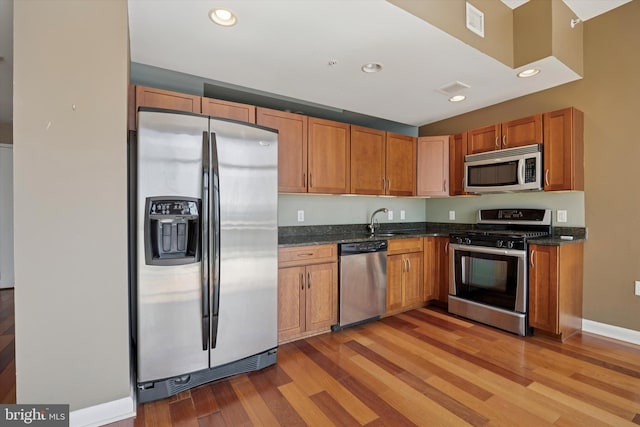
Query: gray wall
(332, 210)
(70, 98)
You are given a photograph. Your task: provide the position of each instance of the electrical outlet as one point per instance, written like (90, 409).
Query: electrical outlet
(452, 215)
(390, 215)
(638, 288)
(562, 216)
(300, 216)
(402, 214)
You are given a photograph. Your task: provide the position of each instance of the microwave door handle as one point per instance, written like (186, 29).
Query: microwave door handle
(521, 171)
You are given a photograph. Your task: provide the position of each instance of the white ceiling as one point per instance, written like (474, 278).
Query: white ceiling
(284, 47)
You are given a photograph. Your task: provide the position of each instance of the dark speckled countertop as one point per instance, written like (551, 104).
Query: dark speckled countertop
(333, 234)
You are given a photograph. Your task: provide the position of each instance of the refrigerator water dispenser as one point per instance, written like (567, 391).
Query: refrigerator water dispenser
(172, 230)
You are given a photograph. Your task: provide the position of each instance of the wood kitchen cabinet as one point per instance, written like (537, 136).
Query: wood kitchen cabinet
(368, 161)
(382, 163)
(307, 291)
(457, 151)
(292, 147)
(228, 110)
(329, 157)
(515, 133)
(436, 270)
(404, 274)
(563, 150)
(555, 289)
(401, 164)
(160, 98)
(433, 166)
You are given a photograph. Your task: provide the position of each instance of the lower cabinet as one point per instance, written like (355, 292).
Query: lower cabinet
(436, 269)
(555, 289)
(404, 274)
(307, 291)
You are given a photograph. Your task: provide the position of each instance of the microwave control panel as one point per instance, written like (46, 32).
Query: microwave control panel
(530, 170)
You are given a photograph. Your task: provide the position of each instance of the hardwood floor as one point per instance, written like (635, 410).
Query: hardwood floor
(423, 367)
(7, 348)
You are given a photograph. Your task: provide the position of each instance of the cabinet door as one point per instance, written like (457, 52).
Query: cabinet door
(483, 139)
(457, 151)
(525, 131)
(413, 279)
(159, 98)
(433, 166)
(395, 271)
(229, 110)
(367, 161)
(291, 302)
(292, 147)
(321, 299)
(329, 157)
(401, 165)
(563, 150)
(442, 276)
(543, 288)
(430, 269)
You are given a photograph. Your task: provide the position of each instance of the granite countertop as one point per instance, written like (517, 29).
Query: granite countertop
(335, 234)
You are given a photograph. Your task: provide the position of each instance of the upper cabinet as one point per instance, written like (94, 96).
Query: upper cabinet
(160, 98)
(401, 165)
(292, 147)
(368, 161)
(433, 166)
(329, 157)
(516, 133)
(457, 151)
(563, 150)
(229, 110)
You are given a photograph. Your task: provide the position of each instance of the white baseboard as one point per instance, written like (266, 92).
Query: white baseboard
(104, 413)
(611, 331)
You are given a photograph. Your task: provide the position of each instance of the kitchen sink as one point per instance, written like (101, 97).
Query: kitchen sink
(389, 234)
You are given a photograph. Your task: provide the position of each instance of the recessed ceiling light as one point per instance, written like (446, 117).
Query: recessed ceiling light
(528, 73)
(457, 98)
(371, 67)
(223, 17)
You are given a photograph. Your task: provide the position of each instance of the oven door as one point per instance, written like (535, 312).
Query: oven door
(489, 276)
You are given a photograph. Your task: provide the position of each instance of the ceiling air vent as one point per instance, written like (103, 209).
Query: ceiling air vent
(453, 88)
(475, 20)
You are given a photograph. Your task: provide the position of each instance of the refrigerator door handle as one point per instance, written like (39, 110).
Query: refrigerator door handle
(214, 224)
(204, 230)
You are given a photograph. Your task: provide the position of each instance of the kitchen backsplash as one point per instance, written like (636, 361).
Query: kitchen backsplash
(330, 210)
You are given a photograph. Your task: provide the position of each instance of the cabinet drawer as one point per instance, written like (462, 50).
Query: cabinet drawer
(402, 246)
(304, 255)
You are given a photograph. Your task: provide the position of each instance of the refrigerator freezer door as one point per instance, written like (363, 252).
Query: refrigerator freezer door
(248, 273)
(169, 298)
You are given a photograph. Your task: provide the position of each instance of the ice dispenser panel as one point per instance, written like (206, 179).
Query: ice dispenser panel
(172, 230)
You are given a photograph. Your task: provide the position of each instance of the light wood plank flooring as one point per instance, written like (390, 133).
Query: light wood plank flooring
(423, 367)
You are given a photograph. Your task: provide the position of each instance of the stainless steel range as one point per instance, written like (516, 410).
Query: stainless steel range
(488, 267)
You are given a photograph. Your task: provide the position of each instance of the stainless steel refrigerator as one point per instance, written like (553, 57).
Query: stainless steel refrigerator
(205, 282)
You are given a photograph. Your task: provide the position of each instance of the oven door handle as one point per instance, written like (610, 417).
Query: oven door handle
(491, 251)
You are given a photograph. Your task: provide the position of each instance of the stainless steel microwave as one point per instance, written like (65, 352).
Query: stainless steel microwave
(512, 169)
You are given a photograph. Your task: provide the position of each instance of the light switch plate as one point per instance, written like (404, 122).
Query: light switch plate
(390, 215)
(300, 216)
(402, 214)
(638, 288)
(452, 215)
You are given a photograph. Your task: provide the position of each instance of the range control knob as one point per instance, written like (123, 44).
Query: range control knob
(459, 240)
(467, 241)
(510, 244)
(500, 243)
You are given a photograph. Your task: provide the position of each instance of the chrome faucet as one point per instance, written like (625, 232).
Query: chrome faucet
(372, 225)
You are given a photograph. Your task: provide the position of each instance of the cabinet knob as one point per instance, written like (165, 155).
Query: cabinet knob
(533, 251)
(504, 140)
(497, 143)
(308, 280)
(546, 177)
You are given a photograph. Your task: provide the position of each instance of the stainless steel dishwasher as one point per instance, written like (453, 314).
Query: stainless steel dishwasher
(363, 282)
